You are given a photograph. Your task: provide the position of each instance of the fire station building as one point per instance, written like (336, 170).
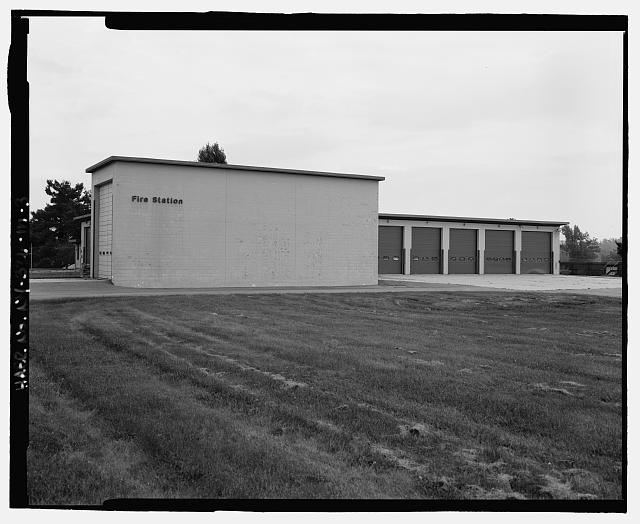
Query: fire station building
(168, 224)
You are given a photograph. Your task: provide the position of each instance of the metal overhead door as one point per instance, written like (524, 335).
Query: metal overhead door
(536, 256)
(105, 229)
(389, 250)
(425, 250)
(463, 250)
(498, 252)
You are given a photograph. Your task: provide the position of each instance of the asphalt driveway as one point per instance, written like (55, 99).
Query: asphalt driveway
(52, 289)
(611, 286)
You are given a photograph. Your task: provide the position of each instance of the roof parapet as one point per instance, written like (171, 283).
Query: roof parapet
(206, 165)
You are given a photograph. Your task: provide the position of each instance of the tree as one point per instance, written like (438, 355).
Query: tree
(620, 248)
(53, 227)
(609, 250)
(212, 154)
(578, 244)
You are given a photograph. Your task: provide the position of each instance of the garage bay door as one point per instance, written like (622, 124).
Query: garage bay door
(105, 229)
(498, 252)
(389, 250)
(463, 248)
(535, 256)
(425, 250)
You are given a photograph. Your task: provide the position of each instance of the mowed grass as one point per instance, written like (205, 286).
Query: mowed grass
(38, 273)
(416, 395)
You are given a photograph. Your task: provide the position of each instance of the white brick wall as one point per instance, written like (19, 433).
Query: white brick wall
(241, 228)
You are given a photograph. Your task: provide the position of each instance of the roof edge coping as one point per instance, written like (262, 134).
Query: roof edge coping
(473, 220)
(142, 160)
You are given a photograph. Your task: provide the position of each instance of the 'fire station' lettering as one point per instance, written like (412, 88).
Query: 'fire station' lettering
(156, 200)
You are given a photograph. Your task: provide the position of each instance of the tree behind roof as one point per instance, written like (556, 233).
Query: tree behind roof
(212, 154)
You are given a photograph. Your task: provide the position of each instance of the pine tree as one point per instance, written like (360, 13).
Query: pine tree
(51, 228)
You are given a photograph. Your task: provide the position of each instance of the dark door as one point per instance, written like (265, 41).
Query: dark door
(463, 248)
(389, 250)
(535, 256)
(498, 252)
(86, 250)
(425, 250)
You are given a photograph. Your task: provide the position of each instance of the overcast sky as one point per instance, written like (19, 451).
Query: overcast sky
(511, 124)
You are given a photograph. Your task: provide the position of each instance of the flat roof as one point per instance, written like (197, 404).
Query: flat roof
(473, 220)
(140, 160)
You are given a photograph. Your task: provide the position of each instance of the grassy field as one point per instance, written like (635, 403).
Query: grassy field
(38, 273)
(416, 395)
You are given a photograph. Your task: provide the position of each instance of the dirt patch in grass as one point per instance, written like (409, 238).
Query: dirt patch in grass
(558, 489)
(546, 387)
(429, 363)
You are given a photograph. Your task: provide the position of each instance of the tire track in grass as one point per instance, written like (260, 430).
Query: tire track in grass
(274, 360)
(161, 330)
(272, 326)
(319, 423)
(268, 339)
(105, 325)
(286, 383)
(359, 404)
(395, 457)
(390, 414)
(191, 331)
(328, 474)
